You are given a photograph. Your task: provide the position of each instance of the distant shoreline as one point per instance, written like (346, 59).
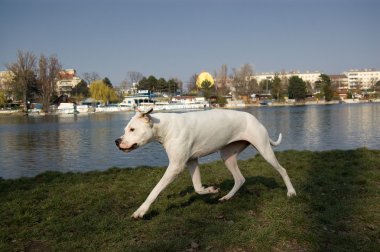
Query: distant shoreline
(273, 104)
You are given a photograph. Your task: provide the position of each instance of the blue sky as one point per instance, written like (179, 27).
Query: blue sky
(178, 38)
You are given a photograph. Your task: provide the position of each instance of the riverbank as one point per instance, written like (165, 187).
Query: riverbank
(271, 104)
(336, 208)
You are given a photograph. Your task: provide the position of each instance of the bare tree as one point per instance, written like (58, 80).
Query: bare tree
(24, 75)
(221, 79)
(91, 77)
(284, 81)
(48, 72)
(124, 85)
(242, 82)
(134, 76)
(192, 85)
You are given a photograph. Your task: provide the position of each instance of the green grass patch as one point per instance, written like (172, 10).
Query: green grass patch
(337, 208)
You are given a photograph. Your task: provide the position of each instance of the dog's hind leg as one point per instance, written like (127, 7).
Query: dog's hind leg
(195, 174)
(229, 155)
(266, 151)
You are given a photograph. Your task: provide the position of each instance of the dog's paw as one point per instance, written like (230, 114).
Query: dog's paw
(208, 190)
(225, 198)
(212, 189)
(291, 193)
(139, 213)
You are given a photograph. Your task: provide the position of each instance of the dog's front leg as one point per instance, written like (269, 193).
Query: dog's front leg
(171, 173)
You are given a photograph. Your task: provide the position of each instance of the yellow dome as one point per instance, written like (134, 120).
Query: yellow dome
(203, 77)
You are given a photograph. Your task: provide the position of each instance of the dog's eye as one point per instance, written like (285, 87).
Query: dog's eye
(132, 129)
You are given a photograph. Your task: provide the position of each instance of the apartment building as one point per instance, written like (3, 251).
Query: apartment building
(310, 77)
(362, 79)
(340, 81)
(5, 77)
(67, 80)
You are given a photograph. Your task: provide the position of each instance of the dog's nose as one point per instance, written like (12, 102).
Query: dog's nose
(118, 141)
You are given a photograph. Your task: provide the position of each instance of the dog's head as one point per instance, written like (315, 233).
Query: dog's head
(138, 132)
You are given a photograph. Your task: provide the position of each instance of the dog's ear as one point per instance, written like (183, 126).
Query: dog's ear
(147, 117)
(150, 110)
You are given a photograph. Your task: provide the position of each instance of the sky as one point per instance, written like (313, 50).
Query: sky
(180, 38)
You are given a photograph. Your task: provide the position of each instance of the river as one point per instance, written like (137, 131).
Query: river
(81, 143)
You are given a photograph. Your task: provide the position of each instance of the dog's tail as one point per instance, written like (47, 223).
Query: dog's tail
(277, 142)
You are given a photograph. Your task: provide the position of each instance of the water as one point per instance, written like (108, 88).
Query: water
(31, 145)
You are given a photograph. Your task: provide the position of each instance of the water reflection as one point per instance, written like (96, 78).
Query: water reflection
(30, 145)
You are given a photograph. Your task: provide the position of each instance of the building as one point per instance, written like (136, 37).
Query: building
(340, 81)
(67, 80)
(310, 77)
(362, 79)
(5, 77)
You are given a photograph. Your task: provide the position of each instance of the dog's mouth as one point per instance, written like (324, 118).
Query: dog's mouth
(133, 147)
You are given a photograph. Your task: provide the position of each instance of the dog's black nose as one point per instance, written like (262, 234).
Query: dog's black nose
(118, 141)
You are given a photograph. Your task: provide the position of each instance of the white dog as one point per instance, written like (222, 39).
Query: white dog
(188, 136)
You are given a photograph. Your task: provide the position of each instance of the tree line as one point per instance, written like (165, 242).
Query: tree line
(34, 78)
(160, 85)
(240, 83)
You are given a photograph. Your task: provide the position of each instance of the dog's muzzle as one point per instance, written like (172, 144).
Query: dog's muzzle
(118, 142)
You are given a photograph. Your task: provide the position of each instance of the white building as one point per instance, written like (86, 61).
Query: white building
(5, 77)
(67, 81)
(340, 81)
(311, 77)
(362, 79)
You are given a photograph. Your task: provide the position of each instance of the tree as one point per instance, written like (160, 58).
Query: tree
(242, 82)
(91, 77)
(277, 90)
(24, 76)
(309, 88)
(377, 85)
(221, 80)
(173, 85)
(207, 88)
(100, 91)
(149, 84)
(192, 85)
(326, 87)
(162, 85)
(107, 82)
(297, 88)
(48, 69)
(284, 81)
(3, 99)
(81, 89)
(124, 85)
(265, 86)
(134, 76)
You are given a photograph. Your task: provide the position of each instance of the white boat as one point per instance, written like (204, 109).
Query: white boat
(355, 100)
(133, 102)
(35, 110)
(177, 103)
(83, 109)
(67, 108)
(265, 103)
(181, 106)
(235, 104)
(107, 109)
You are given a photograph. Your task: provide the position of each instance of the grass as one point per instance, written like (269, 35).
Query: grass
(337, 208)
